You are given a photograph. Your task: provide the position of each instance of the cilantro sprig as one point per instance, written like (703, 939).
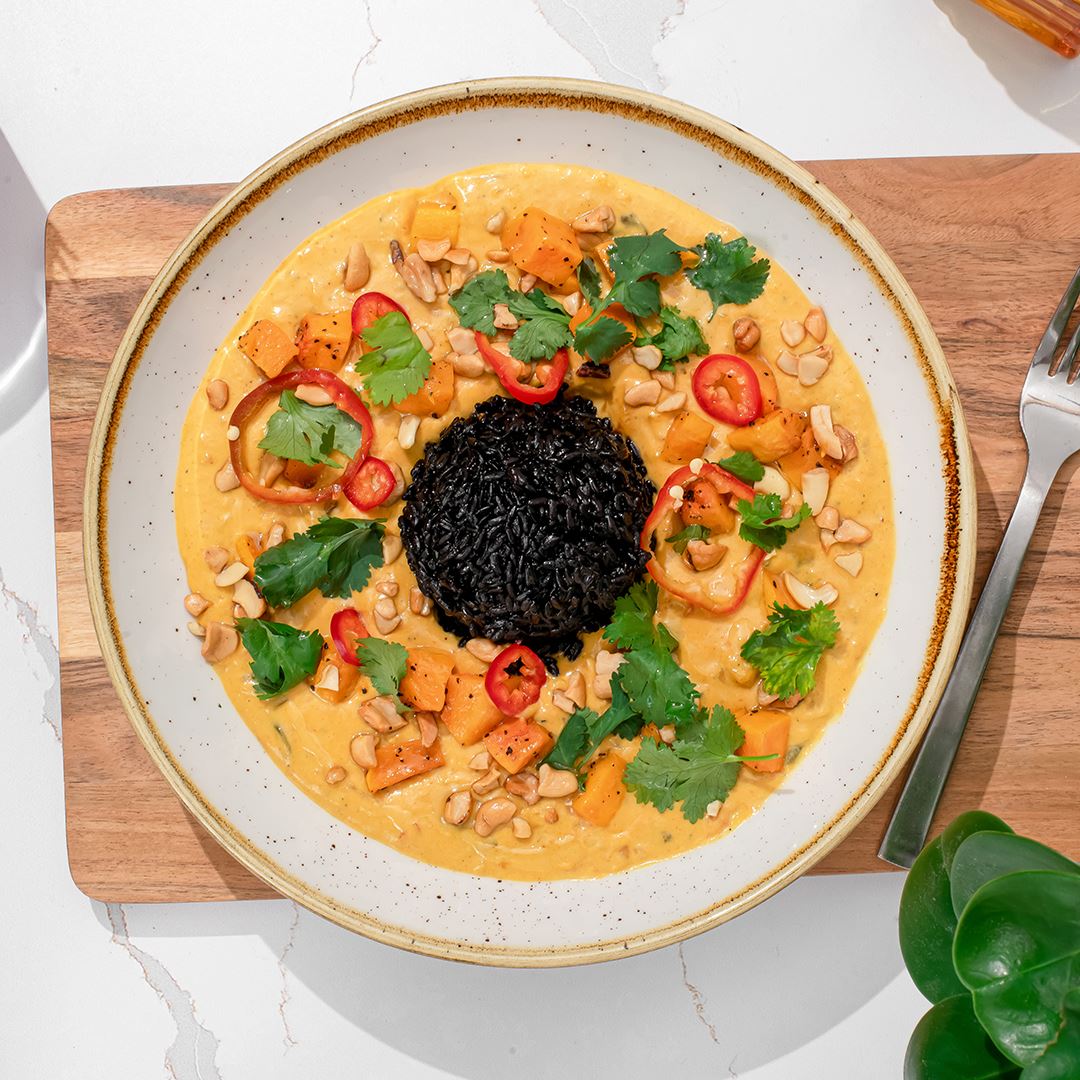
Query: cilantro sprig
(728, 272)
(678, 338)
(762, 524)
(544, 324)
(397, 364)
(699, 768)
(335, 556)
(680, 539)
(281, 655)
(384, 663)
(788, 651)
(310, 433)
(744, 465)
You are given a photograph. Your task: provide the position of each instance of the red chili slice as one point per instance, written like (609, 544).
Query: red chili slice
(370, 306)
(371, 484)
(726, 484)
(341, 395)
(515, 679)
(506, 368)
(347, 626)
(727, 388)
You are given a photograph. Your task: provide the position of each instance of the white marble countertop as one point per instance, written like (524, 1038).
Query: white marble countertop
(124, 93)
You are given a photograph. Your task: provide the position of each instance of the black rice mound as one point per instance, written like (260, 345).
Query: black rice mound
(522, 523)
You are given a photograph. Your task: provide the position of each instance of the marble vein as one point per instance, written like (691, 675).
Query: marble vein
(697, 999)
(193, 1053)
(366, 56)
(45, 647)
(288, 1038)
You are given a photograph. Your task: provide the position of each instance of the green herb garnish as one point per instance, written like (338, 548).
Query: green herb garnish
(762, 524)
(788, 651)
(384, 663)
(699, 768)
(744, 465)
(728, 272)
(310, 433)
(335, 556)
(680, 539)
(281, 655)
(678, 338)
(397, 364)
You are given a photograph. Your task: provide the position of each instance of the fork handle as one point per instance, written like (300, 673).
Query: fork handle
(914, 811)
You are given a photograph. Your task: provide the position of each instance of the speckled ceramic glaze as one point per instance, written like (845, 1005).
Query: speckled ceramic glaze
(178, 706)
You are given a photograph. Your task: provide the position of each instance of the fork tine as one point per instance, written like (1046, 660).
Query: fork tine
(1044, 354)
(1068, 357)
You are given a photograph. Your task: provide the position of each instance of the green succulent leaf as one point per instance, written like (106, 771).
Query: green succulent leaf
(984, 856)
(927, 920)
(948, 1043)
(1017, 948)
(1062, 1058)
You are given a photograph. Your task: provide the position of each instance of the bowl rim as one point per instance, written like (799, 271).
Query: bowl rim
(958, 562)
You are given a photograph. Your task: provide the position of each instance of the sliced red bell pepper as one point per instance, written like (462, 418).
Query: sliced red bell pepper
(347, 626)
(506, 368)
(727, 388)
(514, 679)
(341, 395)
(370, 307)
(370, 485)
(726, 484)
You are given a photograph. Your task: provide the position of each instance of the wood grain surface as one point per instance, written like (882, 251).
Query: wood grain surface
(987, 245)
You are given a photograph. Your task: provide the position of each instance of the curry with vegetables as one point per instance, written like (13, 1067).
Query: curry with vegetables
(535, 522)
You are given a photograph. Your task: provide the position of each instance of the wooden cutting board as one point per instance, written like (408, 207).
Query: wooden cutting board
(986, 243)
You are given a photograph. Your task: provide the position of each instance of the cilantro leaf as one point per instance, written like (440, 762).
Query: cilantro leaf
(701, 766)
(545, 326)
(335, 556)
(599, 339)
(744, 465)
(397, 365)
(728, 272)
(281, 655)
(475, 300)
(636, 256)
(383, 662)
(679, 337)
(589, 281)
(309, 433)
(584, 731)
(659, 690)
(762, 524)
(632, 625)
(680, 539)
(787, 652)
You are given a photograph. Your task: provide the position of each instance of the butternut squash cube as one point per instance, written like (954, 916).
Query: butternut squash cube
(469, 714)
(540, 243)
(402, 762)
(518, 743)
(268, 347)
(773, 436)
(426, 674)
(434, 397)
(808, 456)
(323, 340)
(767, 731)
(604, 791)
(436, 219)
(686, 439)
(337, 687)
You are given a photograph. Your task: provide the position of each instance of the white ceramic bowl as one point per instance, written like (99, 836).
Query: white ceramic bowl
(175, 700)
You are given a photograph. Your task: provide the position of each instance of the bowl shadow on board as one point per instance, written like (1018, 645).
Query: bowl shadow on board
(704, 1008)
(1046, 86)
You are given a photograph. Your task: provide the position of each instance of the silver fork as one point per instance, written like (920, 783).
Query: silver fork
(1050, 420)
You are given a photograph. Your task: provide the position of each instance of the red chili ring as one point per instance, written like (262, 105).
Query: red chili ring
(342, 396)
(347, 621)
(371, 306)
(514, 692)
(371, 485)
(506, 368)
